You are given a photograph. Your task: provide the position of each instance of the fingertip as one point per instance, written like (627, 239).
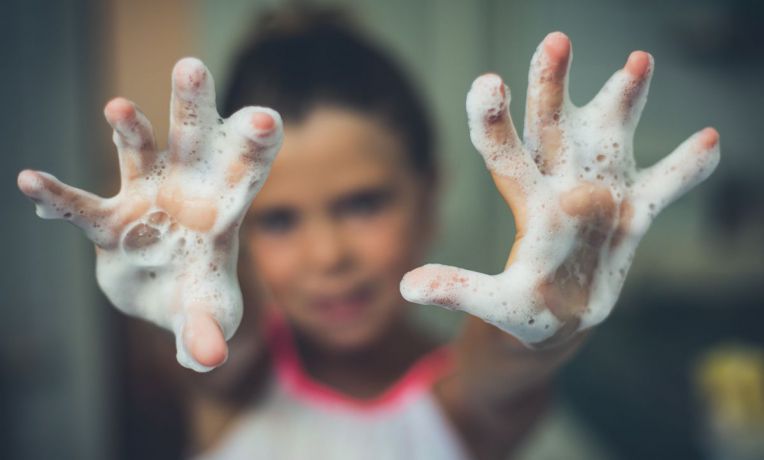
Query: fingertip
(119, 109)
(29, 182)
(262, 122)
(412, 283)
(638, 64)
(259, 124)
(709, 137)
(213, 355)
(488, 79)
(557, 46)
(493, 83)
(432, 284)
(414, 278)
(205, 341)
(189, 74)
(488, 98)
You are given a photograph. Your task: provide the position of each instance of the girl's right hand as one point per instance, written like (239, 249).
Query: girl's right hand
(167, 243)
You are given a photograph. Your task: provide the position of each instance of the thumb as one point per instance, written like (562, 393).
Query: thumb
(449, 287)
(493, 299)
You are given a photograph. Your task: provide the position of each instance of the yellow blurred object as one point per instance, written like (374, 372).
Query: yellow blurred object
(730, 382)
(731, 379)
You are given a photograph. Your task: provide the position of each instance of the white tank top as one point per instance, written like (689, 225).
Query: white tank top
(300, 418)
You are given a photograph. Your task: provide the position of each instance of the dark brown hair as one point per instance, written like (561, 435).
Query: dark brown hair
(299, 59)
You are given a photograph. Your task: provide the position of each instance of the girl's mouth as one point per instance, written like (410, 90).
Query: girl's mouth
(344, 306)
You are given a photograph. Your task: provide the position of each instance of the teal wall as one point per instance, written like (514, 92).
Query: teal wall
(55, 399)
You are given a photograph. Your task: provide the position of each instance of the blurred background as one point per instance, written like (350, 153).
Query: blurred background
(652, 382)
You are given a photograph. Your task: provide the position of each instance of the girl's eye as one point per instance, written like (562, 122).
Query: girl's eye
(276, 222)
(364, 204)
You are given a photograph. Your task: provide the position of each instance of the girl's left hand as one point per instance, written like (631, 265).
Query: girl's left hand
(579, 203)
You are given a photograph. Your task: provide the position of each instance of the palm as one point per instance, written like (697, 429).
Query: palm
(167, 243)
(579, 202)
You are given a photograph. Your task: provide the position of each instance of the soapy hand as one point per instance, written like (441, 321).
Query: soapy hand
(167, 243)
(579, 203)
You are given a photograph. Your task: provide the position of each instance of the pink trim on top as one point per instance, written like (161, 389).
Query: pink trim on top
(292, 376)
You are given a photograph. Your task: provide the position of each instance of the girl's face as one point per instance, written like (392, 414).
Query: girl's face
(342, 216)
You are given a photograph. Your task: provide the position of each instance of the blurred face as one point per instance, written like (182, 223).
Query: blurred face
(340, 219)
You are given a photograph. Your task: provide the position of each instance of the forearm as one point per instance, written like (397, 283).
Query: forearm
(499, 388)
(499, 367)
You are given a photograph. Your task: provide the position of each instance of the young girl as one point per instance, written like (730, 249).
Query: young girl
(329, 363)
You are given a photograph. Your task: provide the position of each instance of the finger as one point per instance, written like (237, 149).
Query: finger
(547, 95)
(192, 105)
(201, 344)
(624, 95)
(691, 163)
(133, 137)
(449, 287)
(56, 200)
(493, 299)
(493, 133)
(547, 82)
(257, 136)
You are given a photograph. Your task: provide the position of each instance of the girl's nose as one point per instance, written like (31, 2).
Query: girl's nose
(326, 250)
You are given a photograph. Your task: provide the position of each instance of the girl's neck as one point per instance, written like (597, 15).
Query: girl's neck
(366, 372)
